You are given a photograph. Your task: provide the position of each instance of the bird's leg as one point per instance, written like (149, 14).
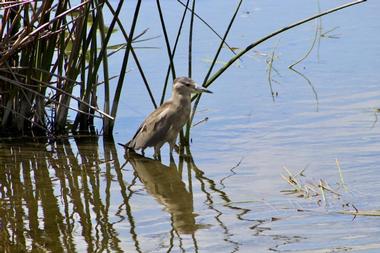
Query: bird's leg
(157, 154)
(142, 152)
(171, 145)
(176, 148)
(172, 162)
(171, 157)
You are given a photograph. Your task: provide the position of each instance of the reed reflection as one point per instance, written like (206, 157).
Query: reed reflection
(50, 198)
(74, 196)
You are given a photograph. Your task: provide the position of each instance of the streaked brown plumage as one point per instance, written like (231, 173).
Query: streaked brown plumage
(164, 123)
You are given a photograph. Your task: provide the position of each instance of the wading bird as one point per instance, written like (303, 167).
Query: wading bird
(164, 123)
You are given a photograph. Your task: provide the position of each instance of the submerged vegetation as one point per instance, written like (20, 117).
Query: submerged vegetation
(54, 62)
(323, 193)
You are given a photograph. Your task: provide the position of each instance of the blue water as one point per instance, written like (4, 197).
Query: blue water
(84, 197)
(295, 131)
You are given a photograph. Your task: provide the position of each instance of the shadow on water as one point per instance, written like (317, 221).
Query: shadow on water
(74, 195)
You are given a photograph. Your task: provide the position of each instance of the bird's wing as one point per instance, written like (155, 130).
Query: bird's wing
(153, 129)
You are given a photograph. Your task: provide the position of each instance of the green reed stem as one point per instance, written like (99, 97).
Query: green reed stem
(135, 58)
(123, 69)
(173, 53)
(188, 126)
(167, 43)
(208, 25)
(191, 39)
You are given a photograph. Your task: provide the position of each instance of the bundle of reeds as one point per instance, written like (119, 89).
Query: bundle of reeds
(48, 49)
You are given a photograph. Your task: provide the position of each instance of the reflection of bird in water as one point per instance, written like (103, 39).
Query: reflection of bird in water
(165, 185)
(164, 124)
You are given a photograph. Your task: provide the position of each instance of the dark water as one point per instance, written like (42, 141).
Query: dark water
(81, 195)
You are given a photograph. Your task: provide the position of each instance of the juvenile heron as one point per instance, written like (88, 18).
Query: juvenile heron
(164, 123)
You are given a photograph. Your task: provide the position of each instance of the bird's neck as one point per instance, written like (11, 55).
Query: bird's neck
(181, 99)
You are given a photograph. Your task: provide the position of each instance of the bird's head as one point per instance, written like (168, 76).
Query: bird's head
(186, 86)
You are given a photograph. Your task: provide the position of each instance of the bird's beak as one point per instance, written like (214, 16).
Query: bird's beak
(199, 89)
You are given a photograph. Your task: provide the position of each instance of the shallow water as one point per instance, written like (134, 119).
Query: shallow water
(78, 195)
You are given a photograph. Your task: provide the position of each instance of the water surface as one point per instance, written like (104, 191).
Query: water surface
(86, 195)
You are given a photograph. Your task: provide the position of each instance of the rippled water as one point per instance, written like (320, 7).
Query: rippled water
(86, 195)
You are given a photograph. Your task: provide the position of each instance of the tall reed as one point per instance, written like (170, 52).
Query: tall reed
(48, 50)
